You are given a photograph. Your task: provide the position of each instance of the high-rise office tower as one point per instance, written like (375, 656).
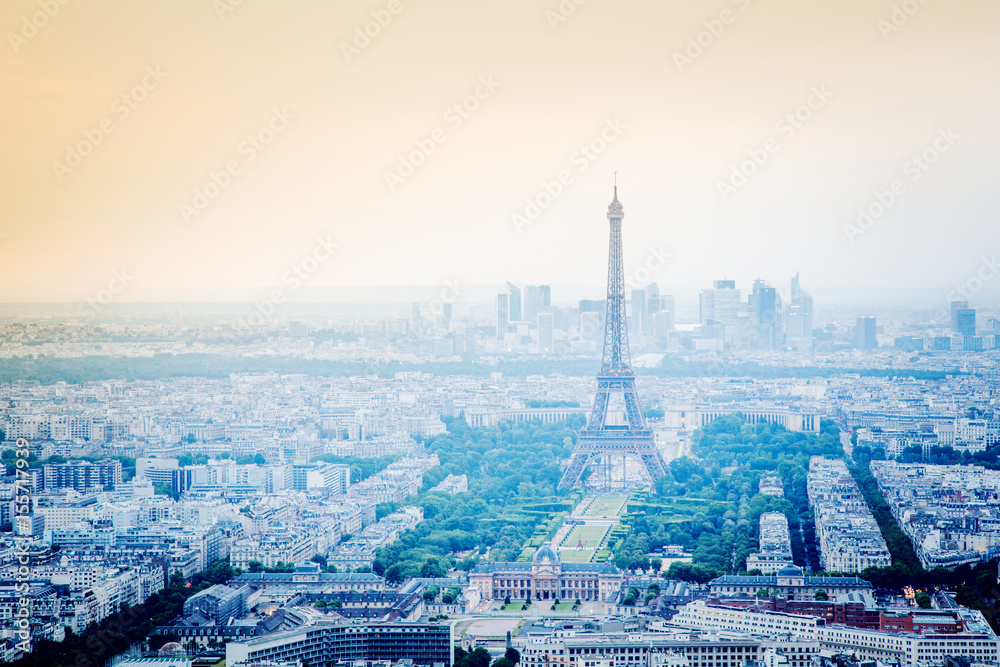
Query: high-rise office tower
(663, 320)
(546, 295)
(546, 325)
(721, 305)
(637, 322)
(514, 302)
(965, 322)
(799, 323)
(652, 307)
(663, 323)
(532, 302)
(653, 298)
(503, 315)
(667, 303)
(590, 326)
(864, 338)
(763, 304)
(415, 313)
(446, 315)
(955, 307)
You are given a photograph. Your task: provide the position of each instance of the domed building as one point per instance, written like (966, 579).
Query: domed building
(546, 577)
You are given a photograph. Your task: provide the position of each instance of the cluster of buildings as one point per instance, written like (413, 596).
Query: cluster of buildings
(120, 542)
(287, 418)
(74, 589)
(308, 616)
(764, 321)
(857, 628)
(964, 334)
(950, 513)
(958, 411)
(848, 535)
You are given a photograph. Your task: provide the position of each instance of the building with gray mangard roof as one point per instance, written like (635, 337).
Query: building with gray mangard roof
(848, 535)
(546, 578)
(775, 545)
(789, 582)
(219, 602)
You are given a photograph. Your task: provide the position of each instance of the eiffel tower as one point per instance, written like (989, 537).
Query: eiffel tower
(598, 439)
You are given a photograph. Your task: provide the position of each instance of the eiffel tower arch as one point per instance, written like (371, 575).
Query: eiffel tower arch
(599, 439)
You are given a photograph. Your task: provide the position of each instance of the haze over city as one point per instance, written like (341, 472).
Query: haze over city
(681, 124)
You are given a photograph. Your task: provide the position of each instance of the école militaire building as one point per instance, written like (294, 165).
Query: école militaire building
(546, 577)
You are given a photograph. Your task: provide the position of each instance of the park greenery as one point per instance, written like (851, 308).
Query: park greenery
(709, 502)
(513, 470)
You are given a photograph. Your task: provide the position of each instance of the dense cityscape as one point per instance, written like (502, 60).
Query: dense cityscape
(500, 334)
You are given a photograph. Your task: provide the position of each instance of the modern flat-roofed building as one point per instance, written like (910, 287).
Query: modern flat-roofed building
(83, 476)
(333, 642)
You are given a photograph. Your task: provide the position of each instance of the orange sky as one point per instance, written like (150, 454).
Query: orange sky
(198, 82)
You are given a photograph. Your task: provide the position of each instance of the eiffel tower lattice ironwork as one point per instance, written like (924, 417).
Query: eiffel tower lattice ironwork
(598, 439)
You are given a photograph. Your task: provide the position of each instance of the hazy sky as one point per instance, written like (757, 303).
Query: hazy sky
(115, 113)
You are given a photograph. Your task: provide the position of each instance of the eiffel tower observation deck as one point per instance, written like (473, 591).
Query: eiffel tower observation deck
(600, 440)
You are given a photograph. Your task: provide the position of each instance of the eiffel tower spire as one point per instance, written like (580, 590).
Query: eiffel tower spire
(599, 439)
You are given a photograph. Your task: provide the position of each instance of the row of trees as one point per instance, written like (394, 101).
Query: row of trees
(77, 370)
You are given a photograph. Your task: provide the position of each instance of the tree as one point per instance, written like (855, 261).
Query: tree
(450, 595)
(431, 568)
(821, 595)
(923, 600)
(478, 658)
(259, 459)
(698, 574)
(513, 655)
(762, 593)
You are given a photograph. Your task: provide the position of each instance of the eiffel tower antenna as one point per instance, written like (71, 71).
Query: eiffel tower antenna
(598, 439)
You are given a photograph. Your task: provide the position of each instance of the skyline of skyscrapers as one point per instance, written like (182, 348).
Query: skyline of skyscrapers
(768, 318)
